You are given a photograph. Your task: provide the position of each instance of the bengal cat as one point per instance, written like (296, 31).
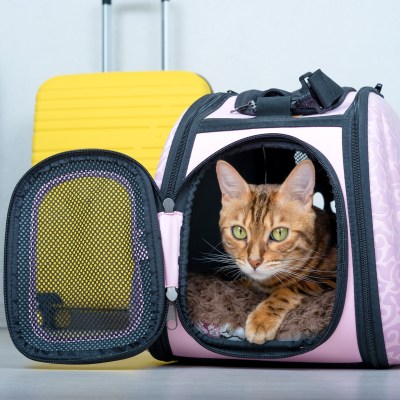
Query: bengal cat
(280, 241)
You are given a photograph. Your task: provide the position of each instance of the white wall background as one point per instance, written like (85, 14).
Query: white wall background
(235, 44)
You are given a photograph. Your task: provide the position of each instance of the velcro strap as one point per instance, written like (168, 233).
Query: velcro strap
(273, 106)
(324, 88)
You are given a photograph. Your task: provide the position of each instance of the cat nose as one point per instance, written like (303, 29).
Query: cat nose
(255, 263)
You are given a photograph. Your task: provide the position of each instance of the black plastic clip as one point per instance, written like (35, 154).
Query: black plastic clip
(305, 100)
(378, 87)
(251, 106)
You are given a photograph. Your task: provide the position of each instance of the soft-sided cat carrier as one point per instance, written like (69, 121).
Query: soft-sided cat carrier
(81, 220)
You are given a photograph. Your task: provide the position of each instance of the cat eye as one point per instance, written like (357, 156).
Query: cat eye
(238, 232)
(279, 234)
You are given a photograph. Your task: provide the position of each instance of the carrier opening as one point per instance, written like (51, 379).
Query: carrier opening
(226, 300)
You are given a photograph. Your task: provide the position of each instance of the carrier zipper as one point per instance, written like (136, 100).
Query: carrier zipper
(340, 289)
(172, 318)
(359, 211)
(366, 303)
(199, 116)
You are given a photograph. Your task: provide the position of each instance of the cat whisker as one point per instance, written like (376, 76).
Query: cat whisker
(215, 258)
(237, 276)
(226, 268)
(317, 252)
(303, 278)
(233, 274)
(303, 258)
(288, 266)
(321, 273)
(306, 277)
(215, 248)
(214, 255)
(298, 273)
(280, 280)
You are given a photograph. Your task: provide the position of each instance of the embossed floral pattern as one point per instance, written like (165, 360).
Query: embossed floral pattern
(384, 170)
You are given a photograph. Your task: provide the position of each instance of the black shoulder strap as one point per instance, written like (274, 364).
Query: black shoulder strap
(318, 94)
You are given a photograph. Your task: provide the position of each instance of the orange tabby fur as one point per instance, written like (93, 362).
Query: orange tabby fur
(303, 263)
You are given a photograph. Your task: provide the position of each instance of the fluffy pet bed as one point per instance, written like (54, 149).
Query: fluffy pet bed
(219, 308)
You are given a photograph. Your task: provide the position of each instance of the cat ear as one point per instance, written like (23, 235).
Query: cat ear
(232, 185)
(299, 185)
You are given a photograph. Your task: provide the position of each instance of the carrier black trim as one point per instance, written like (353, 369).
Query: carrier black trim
(229, 124)
(355, 152)
(161, 349)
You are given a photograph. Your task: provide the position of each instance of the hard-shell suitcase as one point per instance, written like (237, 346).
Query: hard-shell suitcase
(165, 226)
(129, 112)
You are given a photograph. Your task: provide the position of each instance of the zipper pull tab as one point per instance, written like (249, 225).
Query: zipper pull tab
(251, 104)
(172, 317)
(172, 294)
(169, 206)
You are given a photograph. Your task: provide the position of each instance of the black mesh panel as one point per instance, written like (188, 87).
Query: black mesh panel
(86, 260)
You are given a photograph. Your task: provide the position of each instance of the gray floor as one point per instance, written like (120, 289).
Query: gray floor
(143, 377)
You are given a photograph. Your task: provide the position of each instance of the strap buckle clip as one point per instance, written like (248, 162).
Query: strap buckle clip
(304, 101)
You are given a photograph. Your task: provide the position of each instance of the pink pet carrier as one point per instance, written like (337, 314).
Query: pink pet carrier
(82, 222)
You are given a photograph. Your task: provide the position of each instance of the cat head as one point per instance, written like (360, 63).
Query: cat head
(267, 229)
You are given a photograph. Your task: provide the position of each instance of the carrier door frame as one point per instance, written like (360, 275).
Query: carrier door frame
(93, 342)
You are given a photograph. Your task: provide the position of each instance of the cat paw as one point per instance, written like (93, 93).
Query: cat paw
(231, 332)
(260, 328)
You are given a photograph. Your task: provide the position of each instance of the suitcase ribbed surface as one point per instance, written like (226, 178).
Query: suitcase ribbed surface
(128, 112)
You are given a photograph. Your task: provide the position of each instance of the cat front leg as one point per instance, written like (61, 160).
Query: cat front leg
(263, 323)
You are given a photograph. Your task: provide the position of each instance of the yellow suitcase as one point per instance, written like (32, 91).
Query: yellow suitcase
(83, 224)
(129, 112)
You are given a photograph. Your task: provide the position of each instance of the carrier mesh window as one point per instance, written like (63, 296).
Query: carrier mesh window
(84, 276)
(218, 297)
(300, 156)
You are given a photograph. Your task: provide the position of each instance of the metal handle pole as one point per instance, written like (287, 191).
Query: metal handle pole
(164, 35)
(106, 35)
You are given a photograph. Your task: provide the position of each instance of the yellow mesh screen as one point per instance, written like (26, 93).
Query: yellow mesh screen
(84, 245)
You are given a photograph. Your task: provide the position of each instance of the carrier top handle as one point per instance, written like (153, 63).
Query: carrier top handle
(106, 65)
(318, 94)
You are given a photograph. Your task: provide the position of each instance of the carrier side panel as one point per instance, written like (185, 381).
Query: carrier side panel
(384, 172)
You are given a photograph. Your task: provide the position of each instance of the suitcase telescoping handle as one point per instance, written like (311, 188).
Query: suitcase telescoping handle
(107, 34)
